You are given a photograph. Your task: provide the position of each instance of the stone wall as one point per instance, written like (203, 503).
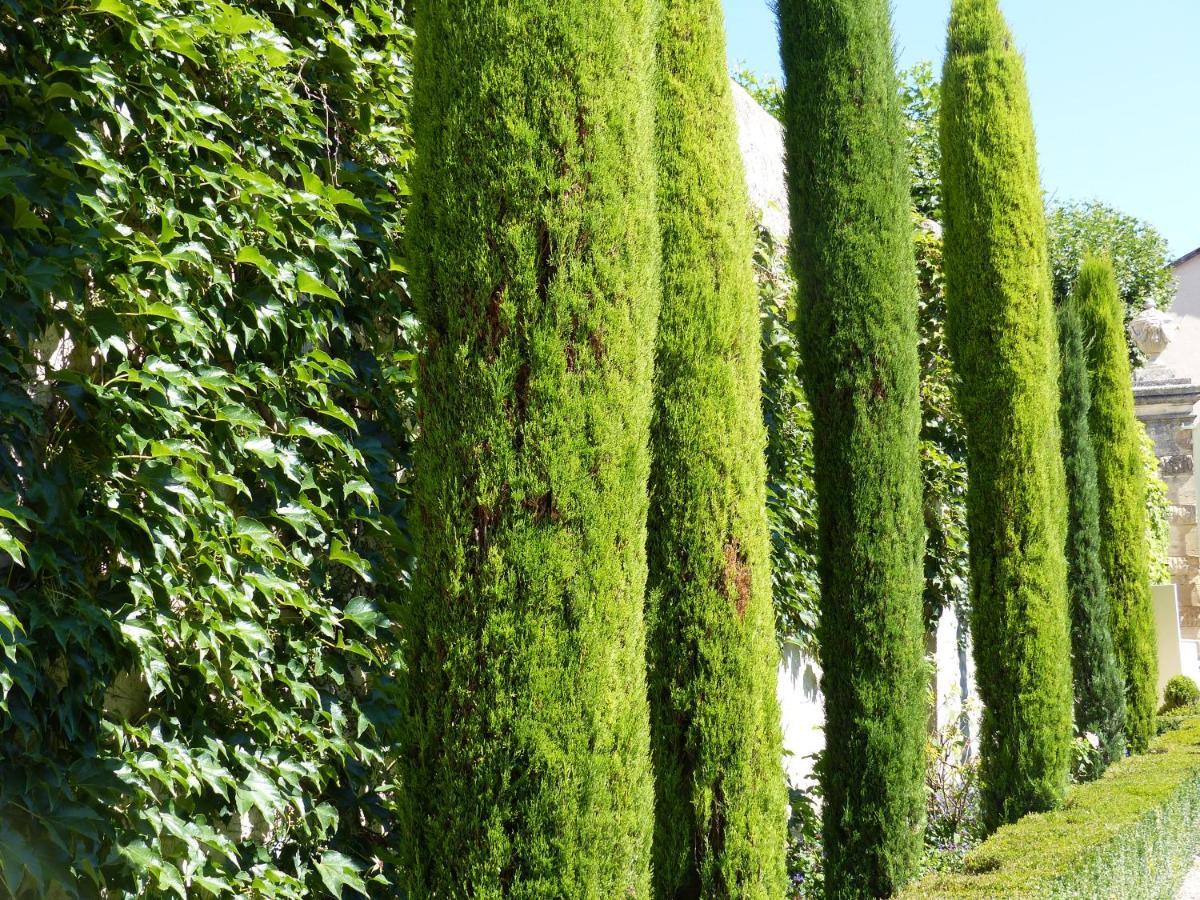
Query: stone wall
(1168, 410)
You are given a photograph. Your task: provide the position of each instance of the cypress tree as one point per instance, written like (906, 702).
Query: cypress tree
(1099, 686)
(1001, 329)
(853, 253)
(534, 258)
(1124, 549)
(720, 789)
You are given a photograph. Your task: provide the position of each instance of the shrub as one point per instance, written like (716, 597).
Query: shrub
(534, 252)
(720, 800)
(853, 259)
(1099, 686)
(1124, 546)
(1002, 339)
(1129, 834)
(1179, 693)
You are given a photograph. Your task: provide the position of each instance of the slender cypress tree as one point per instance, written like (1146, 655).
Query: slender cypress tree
(1001, 329)
(853, 251)
(534, 254)
(720, 790)
(1099, 685)
(1124, 548)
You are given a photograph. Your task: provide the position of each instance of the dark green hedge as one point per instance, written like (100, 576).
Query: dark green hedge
(203, 389)
(1130, 834)
(720, 791)
(854, 263)
(1124, 529)
(535, 254)
(1097, 676)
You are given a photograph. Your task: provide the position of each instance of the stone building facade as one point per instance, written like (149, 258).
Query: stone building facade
(1167, 404)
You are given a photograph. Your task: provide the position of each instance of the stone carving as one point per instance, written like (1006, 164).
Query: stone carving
(1152, 331)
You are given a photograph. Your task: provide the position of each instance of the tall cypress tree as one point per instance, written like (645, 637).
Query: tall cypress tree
(1124, 548)
(720, 789)
(1099, 686)
(534, 256)
(1001, 329)
(853, 253)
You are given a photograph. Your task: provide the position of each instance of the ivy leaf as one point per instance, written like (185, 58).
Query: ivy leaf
(308, 284)
(339, 553)
(11, 546)
(259, 792)
(253, 256)
(118, 9)
(338, 871)
(365, 614)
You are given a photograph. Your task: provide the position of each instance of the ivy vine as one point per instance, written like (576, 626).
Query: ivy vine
(205, 359)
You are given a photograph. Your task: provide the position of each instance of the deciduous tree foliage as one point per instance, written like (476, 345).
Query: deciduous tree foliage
(720, 792)
(1124, 546)
(1099, 685)
(853, 252)
(1002, 337)
(535, 269)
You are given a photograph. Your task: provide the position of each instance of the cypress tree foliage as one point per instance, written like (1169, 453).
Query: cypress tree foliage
(853, 253)
(1001, 329)
(1124, 549)
(534, 250)
(720, 790)
(1099, 685)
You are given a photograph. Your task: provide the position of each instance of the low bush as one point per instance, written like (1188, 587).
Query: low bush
(1180, 692)
(1129, 834)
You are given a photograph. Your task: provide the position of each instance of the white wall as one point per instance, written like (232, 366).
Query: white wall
(803, 714)
(1183, 355)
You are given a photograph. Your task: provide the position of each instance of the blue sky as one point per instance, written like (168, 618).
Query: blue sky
(1115, 88)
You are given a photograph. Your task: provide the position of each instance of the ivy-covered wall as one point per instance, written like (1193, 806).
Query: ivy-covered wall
(203, 367)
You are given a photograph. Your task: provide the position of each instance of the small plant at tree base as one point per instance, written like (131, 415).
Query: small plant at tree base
(952, 790)
(1180, 692)
(1089, 757)
(805, 856)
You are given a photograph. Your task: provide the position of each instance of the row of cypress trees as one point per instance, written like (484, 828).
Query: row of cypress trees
(590, 707)
(1052, 449)
(1043, 490)
(592, 438)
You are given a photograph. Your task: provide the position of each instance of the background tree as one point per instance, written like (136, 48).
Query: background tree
(534, 265)
(853, 253)
(1124, 545)
(1139, 254)
(720, 792)
(1002, 336)
(1099, 685)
